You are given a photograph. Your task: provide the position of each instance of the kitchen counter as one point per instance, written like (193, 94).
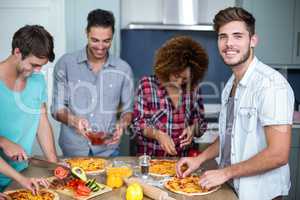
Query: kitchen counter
(224, 193)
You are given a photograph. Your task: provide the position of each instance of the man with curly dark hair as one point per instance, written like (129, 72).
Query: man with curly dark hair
(168, 109)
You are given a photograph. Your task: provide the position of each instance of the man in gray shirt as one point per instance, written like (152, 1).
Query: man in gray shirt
(89, 87)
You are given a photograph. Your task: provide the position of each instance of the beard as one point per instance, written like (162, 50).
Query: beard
(242, 60)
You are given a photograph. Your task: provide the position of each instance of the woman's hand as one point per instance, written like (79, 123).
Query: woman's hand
(166, 143)
(33, 184)
(192, 163)
(13, 150)
(186, 137)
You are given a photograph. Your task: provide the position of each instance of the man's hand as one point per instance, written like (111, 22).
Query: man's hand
(2, 196)
(13, 150)
(186, 137)
(81, 125)
(193, 164)
(33, 184)
(116, 136)
(214, 178)
(166, 143)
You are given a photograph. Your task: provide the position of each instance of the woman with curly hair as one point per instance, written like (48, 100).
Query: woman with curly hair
(168, 109)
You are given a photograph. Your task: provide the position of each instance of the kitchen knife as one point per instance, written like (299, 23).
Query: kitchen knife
(40, 162)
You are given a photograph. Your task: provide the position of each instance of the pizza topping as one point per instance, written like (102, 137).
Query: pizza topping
(89, 165)
(27, 195)
(186, 185)
(164, 167)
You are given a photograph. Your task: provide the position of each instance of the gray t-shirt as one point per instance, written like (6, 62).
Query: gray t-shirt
(93, 96)
(226, 151)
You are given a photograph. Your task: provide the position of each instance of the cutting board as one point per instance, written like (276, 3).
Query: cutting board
(71, 193)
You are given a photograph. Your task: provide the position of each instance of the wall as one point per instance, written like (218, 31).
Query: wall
(76, 21)
(48, 13)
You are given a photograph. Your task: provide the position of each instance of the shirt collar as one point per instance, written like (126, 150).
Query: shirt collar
(82, 57)
(243, 82)
(246, 78)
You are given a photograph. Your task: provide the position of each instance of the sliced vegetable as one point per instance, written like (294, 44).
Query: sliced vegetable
(79, 173)
(60, 172)
(95, 188)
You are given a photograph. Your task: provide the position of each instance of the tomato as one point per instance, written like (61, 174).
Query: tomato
(193, 152)
(82, 189)
(61, 172)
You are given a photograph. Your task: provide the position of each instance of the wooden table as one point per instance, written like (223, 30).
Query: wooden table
(224, 193)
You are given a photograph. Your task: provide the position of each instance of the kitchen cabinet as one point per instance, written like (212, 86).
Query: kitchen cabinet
(277, 25)
(145, 11)
(294, 162)
(296, 55)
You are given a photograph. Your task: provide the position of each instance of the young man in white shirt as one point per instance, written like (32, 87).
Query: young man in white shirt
(255, 121)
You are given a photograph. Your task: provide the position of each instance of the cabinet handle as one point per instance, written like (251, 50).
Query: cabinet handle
(298, 43)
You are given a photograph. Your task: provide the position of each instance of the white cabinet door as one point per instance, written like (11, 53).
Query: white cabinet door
(49, 13)
(275, 28)
(297, 33)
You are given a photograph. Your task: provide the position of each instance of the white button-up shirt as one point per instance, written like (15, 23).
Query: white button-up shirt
(263, 97)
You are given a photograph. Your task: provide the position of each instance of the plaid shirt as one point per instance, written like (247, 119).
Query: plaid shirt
(153, 108)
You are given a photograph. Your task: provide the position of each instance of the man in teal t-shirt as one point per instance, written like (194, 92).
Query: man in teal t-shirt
(23, 112)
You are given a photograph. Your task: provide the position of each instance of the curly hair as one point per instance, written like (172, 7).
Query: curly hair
(177, 54)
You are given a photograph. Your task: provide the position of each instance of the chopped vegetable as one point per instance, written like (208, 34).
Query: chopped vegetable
(61, 172)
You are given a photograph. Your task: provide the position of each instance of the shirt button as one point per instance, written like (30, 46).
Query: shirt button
(78, 80)
(232, 136)
(92, 115)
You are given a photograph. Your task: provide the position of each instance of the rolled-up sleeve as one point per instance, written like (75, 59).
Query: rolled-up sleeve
(127, 93)
(197, 113)
(60, 87)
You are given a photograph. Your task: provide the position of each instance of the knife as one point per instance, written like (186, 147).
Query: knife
(40, 162)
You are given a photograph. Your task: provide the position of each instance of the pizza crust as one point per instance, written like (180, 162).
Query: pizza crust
(55, 195)
(167, 185)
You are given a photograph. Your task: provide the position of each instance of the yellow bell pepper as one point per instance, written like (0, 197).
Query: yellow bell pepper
(114, 181)
(134, 192)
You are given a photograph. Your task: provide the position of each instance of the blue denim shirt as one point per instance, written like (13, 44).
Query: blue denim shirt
(93, 96)
(263, 97)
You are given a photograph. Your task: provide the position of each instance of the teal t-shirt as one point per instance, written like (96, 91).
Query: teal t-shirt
(19, 117)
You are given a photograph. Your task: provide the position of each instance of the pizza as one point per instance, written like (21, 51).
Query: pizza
(91, 165)
(24, 194)
(188, 186)
(163, 168)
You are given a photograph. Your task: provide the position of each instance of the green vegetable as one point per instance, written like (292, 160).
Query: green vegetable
(79, 173)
